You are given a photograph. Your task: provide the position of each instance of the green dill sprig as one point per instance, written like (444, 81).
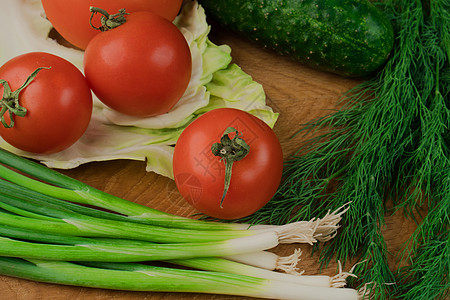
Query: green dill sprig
(425, 275)
(386, 149)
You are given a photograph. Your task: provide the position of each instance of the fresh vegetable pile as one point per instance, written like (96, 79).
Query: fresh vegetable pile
(48, 235)
(113, 135)
(387, 150)
(56, 229)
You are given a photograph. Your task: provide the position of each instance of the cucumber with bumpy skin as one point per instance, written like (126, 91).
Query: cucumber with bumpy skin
(347, 37)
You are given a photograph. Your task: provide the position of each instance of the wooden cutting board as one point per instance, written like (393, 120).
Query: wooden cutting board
(297, 92)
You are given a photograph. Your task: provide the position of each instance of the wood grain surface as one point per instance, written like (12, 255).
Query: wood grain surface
(297, 92)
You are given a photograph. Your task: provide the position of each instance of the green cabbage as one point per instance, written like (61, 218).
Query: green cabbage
(215, 83)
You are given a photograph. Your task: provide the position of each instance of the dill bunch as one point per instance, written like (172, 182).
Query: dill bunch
(386, 149)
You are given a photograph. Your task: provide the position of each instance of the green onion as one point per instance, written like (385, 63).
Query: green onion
(225, 265)
(73, 190)
(259, 264)
(30, 211)
(269, 261)
(71, 223)
(135, 251)
(41, 201)
(45, 202)
(139, 277)
(43, 226)
(203, 263)
(67, 188)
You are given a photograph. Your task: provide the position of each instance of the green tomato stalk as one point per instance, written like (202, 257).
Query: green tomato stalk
(10, 100)
(230, 150)
(108, 21)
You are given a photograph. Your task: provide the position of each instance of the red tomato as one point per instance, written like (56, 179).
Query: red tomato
(140, 68)
(200, 175)
(58, 102)
(71, 18)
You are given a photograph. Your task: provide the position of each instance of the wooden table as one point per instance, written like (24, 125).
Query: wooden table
(297, 92)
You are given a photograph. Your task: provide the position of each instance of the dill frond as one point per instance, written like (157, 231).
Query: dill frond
(389, 143)
(427, 274)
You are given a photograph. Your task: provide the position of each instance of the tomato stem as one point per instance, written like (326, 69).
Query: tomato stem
(10, 100)
(107, 21)
(230, 150)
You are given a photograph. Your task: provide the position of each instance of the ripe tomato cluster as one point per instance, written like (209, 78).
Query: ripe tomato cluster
(141, 68)
(227, 163)
(136, 60)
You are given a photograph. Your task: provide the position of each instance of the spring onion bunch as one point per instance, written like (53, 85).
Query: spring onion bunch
(386, 150)
(54, 228)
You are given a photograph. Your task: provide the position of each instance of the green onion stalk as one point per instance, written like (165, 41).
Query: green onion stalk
(53, 186)
(141, 277)
(29, 203)
(69, 189)
(131, 251)
(197, 256)
(386, 150)
(225, 265)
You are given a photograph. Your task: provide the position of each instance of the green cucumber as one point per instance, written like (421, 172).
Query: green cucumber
(348, 37)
